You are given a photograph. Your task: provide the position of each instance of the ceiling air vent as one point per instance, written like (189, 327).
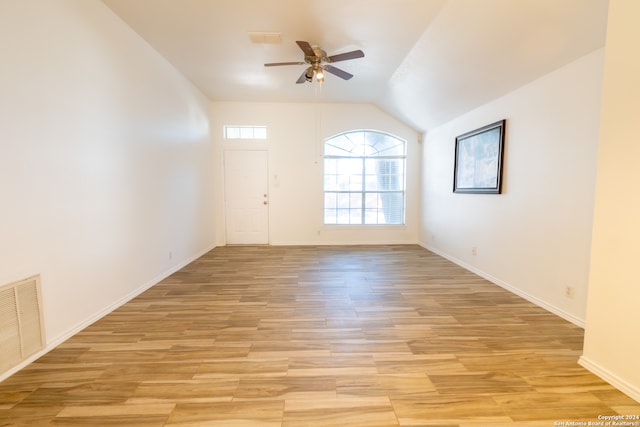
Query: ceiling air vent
(262, 37)
(21, 331)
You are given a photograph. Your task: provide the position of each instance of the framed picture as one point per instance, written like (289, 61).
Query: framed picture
(478, 160)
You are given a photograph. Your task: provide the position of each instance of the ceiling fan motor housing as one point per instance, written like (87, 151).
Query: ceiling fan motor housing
(319, 57)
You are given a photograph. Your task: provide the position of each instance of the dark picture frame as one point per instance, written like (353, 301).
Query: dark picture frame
(478, 160)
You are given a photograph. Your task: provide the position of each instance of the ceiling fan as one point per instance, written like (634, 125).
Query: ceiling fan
(319, 62)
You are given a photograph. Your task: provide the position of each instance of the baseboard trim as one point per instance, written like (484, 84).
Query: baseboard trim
(532, 299)
(619, 383)
(344, 243)
(53, 343)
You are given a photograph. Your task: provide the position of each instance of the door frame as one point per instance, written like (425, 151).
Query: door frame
(224, 193)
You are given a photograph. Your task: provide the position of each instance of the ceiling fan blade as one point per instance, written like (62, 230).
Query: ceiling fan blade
(276, 64)
(306, 48)
(337, 72)
(347, 55)
(302, 78)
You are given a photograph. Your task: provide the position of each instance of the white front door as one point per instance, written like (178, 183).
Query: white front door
(246, 179)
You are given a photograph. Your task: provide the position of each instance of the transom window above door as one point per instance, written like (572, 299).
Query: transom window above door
(364, 178)
(245, 132)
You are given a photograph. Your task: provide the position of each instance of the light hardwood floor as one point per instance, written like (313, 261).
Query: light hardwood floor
(316, 336)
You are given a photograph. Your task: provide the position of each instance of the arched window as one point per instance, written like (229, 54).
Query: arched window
(364, 178)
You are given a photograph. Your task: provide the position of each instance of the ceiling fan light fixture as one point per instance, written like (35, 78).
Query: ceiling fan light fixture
(319, 60)
(308, 75)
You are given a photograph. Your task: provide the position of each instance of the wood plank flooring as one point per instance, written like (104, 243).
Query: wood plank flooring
(316, 336)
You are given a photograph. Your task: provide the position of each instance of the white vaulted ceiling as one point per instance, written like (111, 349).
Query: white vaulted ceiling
(426, 61)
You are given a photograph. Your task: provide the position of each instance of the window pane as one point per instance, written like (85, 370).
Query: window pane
(330, 216)
(372, 200)
(331, 183)
(371, 216)
(355, 182)
(349, 166)
(371, 182)
(342, 200)
(382, 144)
(232, 132)
(389, 173)
(330, 166)
(355, 200)
(339, 145)
(260, 132)
(355, 216)
(330, 200)
(364, 167)
(392, 205)
(342, 216)
(246, 133)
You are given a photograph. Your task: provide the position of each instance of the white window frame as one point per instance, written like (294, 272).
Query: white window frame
(244, 132)
(363, 192)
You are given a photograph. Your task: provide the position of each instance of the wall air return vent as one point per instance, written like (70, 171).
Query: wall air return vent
(21, 323)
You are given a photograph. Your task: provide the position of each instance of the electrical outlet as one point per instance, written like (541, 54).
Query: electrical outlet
(569, 291)
(474, 251)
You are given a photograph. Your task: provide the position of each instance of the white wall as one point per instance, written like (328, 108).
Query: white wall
(611, 345)
(295, 136)
(105, 165)
(533, 239)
